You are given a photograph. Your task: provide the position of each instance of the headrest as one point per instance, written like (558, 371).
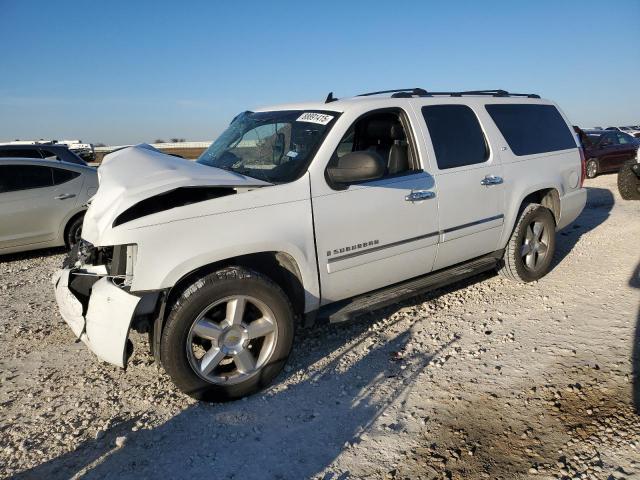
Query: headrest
(397, 132)
(378, 129)
(383, 129)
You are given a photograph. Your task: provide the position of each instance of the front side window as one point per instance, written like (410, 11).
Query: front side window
(532, 128)
(456, 135)
(273, 146)
(624, 139)
(24, 177)
(384, 134)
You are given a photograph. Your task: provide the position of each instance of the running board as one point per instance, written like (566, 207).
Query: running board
(344, 310)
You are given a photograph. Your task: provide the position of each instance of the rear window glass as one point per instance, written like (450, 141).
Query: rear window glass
(456, 135)
(594, 138)
(50, 155)
(531, 129)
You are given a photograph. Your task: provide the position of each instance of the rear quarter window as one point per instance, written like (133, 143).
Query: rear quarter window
(531, 128)
(61, 175)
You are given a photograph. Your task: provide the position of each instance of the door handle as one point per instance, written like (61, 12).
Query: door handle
(64, 196)
(491, 180)
(417, 195)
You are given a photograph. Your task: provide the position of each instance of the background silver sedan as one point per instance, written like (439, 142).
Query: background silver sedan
(42, 202)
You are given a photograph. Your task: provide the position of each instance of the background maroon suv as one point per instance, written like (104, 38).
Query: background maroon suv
(607, 150)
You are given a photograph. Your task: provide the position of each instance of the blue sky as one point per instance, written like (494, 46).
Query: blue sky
(132, 71)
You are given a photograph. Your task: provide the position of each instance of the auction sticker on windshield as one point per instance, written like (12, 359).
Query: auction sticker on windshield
(312, 117)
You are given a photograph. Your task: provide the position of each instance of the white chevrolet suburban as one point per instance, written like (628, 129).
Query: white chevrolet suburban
(316, 210)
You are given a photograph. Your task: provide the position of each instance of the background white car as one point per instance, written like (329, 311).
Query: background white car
(42, 202)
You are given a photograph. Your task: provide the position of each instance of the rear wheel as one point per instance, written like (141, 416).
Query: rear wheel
(592, 168)
(228, 335)
(629, 182)
(74, 232)
(530, 250)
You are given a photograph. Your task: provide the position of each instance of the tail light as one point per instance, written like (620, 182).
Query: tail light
(583, 162)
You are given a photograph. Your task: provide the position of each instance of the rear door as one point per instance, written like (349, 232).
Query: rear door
(468, 175)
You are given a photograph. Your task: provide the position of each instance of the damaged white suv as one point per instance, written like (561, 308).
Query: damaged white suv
(316, 210)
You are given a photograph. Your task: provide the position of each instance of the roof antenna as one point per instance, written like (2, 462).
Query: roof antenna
(330, 98)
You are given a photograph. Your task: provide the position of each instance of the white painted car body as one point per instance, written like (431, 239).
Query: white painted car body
(308, 220)
(36, 218)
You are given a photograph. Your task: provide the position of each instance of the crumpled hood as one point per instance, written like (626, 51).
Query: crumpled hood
(133, 174)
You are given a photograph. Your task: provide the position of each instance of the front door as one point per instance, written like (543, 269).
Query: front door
(376, 233)
(627, 148)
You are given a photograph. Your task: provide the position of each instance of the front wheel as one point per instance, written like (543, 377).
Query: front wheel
(73, 232)
(530, 250)
(228, 335)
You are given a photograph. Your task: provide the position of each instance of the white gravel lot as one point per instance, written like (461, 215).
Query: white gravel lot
(484, 379)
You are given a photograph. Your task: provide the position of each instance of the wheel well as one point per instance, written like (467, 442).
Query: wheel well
(278, 266)
(548, 198)
(70, 222)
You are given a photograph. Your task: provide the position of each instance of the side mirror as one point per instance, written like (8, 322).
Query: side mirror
(357, 167)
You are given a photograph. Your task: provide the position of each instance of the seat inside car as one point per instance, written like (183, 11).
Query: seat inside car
(385, 135)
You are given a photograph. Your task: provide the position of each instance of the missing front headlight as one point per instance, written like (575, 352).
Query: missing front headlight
(123, 263)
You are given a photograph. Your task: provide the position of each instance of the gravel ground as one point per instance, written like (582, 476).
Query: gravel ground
(484, 379)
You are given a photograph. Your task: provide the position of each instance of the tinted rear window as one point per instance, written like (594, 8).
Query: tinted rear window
(456, 135)
(531, 129)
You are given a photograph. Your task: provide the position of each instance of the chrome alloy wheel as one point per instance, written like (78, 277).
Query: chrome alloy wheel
(232, 339)
(535, 246)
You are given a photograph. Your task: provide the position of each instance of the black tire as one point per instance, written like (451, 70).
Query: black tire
(628, 182)
(196, 298)
(593, 168)
(514, 266)
(73, 232)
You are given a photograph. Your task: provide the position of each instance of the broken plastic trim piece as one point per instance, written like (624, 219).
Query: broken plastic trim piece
(171, 199)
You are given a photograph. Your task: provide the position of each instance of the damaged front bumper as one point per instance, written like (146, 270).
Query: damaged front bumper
(102, 322)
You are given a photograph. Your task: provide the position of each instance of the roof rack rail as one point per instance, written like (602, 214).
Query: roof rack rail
(410, 91)
(421, 92)
(493, 93)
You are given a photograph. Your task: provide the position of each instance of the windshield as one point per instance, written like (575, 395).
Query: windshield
(272, 146)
